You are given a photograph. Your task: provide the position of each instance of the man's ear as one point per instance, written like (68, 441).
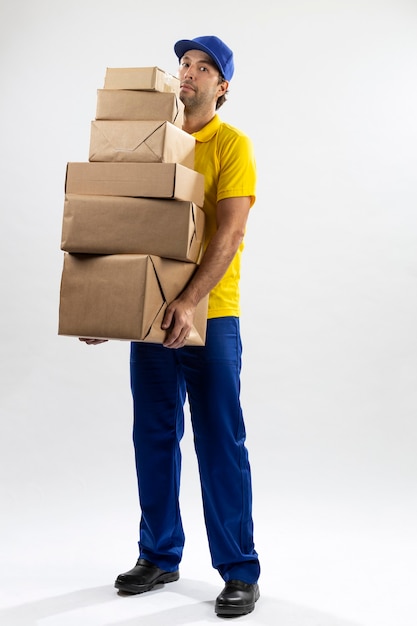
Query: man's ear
(222, 88)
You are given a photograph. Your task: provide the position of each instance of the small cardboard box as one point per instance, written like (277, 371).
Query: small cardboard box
(140, 141)
(123, 296)
(146, 180)
(123, 104)
(141, 78)
(117, 225)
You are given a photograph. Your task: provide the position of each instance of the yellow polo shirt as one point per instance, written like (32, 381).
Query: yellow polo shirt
(225, 156)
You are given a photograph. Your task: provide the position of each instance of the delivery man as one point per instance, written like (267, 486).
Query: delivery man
(162, 376)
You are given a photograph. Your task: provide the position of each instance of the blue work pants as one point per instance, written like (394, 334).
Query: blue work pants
(161, 379)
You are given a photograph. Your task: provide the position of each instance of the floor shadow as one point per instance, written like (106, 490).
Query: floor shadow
(28, 614)
(197, 608)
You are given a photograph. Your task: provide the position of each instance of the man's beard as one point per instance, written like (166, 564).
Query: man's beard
(189, 100)
(194, 101)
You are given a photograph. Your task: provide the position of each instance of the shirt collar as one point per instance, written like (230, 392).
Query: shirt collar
(208, 131)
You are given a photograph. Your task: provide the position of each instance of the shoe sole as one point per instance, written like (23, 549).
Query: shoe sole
(168, 577)
(234, 610)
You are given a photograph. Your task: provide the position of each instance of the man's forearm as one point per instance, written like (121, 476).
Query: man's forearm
(217, 258)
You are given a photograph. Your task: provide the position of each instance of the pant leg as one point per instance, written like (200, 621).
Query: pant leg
(212, 376)
(158, 391)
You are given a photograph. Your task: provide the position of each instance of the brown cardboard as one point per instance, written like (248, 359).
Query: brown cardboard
(140, 141)
(123, 104)
(147, 180)
(123, 297)
(141, 78)
(117, 225)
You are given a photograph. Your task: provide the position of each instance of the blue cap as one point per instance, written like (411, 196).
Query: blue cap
(214, 47)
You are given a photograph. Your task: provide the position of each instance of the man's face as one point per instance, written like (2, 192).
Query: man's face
(199, 80)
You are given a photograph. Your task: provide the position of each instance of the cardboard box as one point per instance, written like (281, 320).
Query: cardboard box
(123, 297)
(141, 78)
(123, 104)
(117, 225)
(146, 180)
(140, 141)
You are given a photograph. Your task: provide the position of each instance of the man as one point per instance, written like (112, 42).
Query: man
(162, 375)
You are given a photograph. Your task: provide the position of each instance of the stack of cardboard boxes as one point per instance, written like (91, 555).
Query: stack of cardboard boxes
(133, 226)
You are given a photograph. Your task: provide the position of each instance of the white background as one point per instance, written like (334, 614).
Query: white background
(327, 91)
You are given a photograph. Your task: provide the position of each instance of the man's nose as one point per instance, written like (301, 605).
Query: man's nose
(190, 72)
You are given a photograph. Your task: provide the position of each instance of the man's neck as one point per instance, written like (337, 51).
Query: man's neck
(194, 123)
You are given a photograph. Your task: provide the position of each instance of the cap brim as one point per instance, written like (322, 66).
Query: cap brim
(184, 45)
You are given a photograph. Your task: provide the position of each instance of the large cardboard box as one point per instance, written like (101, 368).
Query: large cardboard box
(140, 141)
(141, 78)
(146, 180)
(123, 297)
(117, 225)
(124, 104)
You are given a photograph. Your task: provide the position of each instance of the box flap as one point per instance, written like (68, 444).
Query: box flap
(173, 276)
(122, 135)
(143, 141)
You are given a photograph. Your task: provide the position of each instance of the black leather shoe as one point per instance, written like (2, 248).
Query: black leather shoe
(237, 598)
(143, 577)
